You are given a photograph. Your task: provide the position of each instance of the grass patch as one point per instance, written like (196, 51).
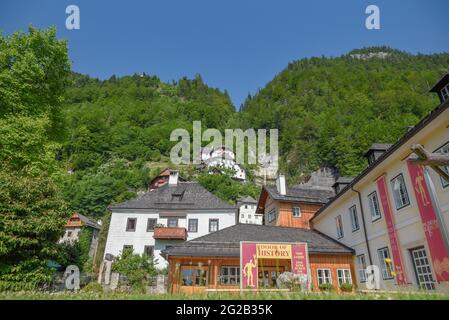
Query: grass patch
(219, 296)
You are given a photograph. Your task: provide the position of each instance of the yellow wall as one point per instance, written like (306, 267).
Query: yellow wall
(407, 220)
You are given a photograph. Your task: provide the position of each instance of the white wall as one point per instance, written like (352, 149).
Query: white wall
(247, 214)
(118, 236)
(70, 235)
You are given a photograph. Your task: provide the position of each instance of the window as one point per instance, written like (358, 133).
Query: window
(385, 263)
(354, 218)
(127, 247)
(148, 250)
(172, 222)
(344, 276)
(230, 276)
(200, 277)
(69, 234)
(361, 262)
(242, 216)
(187, 277)
(271, 215)
(444, 149)
(246, 206)
(151, 223)
(423, 269)
(374, 207)
(131, 224)
(339, 224)
(213, 225)
(193, 225)
(194, 276)
(400, 194)
(324, 276)
(445, 92)
(296, 211)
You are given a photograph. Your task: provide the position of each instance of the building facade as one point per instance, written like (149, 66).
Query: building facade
(291, 207)
(213, 262)
(247, 211)
(395, 214)
(173, 213)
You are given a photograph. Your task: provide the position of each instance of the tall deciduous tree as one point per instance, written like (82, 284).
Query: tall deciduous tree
(33, 74)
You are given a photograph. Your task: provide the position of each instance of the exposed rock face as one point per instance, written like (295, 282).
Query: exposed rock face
(323, 179)
(366, 56)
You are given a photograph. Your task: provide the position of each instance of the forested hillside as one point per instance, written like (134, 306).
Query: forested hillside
(118, 133)
(330, 110)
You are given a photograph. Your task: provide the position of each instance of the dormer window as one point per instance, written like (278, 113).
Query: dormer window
(371, 158)
(442, 88)
(445, 92)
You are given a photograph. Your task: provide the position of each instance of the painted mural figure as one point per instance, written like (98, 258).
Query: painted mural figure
(248, 271)
(419, 187)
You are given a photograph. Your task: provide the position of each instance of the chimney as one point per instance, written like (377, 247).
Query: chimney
(173, 178)
(280, 184)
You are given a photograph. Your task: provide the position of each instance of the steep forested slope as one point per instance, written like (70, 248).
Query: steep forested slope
(116, 127)
(329, 110)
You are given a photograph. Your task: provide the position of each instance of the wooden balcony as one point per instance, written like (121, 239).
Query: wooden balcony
(166, 233)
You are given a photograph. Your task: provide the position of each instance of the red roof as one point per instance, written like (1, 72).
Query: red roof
(165, 233)
(74, 221)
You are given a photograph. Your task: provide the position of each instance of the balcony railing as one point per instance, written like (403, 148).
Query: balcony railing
(170, 233)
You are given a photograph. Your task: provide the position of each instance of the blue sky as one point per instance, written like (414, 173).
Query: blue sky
(238, 45)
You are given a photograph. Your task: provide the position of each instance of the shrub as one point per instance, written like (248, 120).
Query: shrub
(346, 287)
(138, 270)
(326, 287)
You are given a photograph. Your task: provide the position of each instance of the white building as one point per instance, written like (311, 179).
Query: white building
(173, 213)
(222, 157)
(247, 211)
(76, 223)
(395, 214)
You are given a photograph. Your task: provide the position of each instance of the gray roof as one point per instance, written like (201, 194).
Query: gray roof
(89, 222)
(247, 199)
(380, 146)
(226, 242)
(315, 195)
(344, 180)
(441, 83)
(183, 196)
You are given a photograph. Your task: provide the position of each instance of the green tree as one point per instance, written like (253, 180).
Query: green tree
(33, 74)
(34, 69)
(32, 220)
(139, 269)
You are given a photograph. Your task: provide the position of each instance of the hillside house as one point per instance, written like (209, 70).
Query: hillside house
(76, 223)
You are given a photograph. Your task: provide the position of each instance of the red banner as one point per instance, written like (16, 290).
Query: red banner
(251, 252)
(434, 237)
(394, 241)
(248, 265)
